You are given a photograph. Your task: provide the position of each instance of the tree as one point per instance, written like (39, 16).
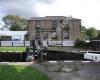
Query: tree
(91, 33)
(98, 37)
(15, 22)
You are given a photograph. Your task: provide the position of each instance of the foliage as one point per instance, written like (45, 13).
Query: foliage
(83, 33)
(15, 23)
(91, 33)
(98, 37)
(19, 72)
(17, 26)
(81, 44)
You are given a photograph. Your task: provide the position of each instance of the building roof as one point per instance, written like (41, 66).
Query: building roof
(52, 18)
(12, 33)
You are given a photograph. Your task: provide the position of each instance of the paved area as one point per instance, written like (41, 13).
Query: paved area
(85, 71)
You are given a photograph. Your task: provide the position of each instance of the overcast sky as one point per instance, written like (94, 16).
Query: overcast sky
(87, 10)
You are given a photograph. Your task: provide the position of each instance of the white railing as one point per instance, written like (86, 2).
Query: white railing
(6, 43)
(92, 56)
(27, 43)
(15, 43)
(47, 43)
(54, 42)
(60, 43)
(68, 43)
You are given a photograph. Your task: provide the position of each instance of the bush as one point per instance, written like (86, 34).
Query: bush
(81, 44)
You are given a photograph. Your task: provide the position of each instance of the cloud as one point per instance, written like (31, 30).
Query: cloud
(87, 10)
(25, 8)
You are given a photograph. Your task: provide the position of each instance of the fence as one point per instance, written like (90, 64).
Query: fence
(60, 43)
(15, 43)
(28, 43)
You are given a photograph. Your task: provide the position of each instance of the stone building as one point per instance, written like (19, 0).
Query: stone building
(44, 27)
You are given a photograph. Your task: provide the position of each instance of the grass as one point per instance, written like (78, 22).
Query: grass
(19, 72)
(12, 49)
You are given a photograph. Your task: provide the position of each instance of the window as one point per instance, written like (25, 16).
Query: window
(37, 35)
(66, 35)
(54, 25)
(37, 28)
(61, 21)
(37, 24)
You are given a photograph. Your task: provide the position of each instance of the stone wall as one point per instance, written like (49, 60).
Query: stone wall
(46, 26)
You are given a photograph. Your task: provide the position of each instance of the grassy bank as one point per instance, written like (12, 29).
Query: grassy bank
(12, 49)
(19, 72)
